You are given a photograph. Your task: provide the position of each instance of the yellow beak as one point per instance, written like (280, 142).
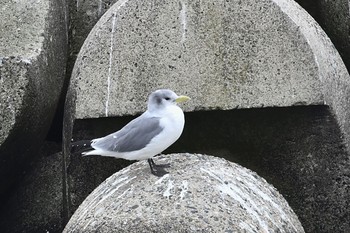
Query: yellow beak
(182, 98)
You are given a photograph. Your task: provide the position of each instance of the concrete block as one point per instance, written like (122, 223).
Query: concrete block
(83, 17)
(33, 46)
(186, 46)
(220, 55)
(334, 18)
(200, 194)
(297, 149)
(212, 51)
(36, 201)
(224, 55)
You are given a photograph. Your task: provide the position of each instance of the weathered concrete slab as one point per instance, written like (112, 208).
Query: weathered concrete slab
(33, 47)
(299, 150)
(225, 55)
(36, 202)
(334, 18)
(187, 46)
(282, 59)
(200, 194)
(83, 17)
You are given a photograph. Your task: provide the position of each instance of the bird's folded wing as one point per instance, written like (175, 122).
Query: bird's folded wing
(134, 136)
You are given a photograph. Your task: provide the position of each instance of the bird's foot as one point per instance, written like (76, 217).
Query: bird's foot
(166, 165)
(159, 172)
(158, 169)
(153, 164)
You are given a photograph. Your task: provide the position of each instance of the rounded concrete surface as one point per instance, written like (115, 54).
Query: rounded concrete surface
(31, 44)
(33, 49)
(200, 194)
(223, 54)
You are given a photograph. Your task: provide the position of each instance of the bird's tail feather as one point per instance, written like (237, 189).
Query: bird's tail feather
(79, 147)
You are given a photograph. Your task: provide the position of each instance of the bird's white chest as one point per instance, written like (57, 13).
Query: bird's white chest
(173, 122)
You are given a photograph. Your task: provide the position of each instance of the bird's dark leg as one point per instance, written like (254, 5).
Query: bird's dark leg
(157, 170)
(159, 165)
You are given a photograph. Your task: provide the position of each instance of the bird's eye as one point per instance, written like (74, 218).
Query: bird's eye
(167, 98)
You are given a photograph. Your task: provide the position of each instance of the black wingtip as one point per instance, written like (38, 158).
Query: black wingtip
(80, 146)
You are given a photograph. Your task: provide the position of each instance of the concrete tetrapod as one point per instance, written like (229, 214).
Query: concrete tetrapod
(33, 49)
(224, 55)
(200, 194)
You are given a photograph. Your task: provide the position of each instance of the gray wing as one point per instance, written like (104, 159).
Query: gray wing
(134, 136)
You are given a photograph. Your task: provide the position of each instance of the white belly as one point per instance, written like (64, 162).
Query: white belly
(173, 123)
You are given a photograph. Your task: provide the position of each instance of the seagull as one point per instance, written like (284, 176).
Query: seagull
(145, 136)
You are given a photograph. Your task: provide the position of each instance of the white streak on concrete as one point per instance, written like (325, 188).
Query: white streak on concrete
(88, 223)
(212, 174)
(246, 227)
(267, 198)
(183, 21)
(123, 193)
(26, 61)
(167, 192)
(184, 189)
(117, 181)
(93, 203)
(114, 16)
(126, 170)
(111, 192)
(99, 211)
(239, 195)
(160, 180)
(99, 8)
(102, 209)
(245, 201)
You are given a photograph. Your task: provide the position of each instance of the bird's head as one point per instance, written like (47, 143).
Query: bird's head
(164, 97)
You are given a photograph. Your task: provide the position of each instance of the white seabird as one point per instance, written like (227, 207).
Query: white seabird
(147, 135)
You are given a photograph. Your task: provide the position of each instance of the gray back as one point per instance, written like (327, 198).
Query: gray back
(134, 136)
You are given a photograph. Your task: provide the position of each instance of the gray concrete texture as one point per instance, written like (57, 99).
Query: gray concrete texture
(137, 47)
(323, 210)
(200, 194)
(297, 149)
(83, 16)
(334, 18)
(36, 204)
(225, 55)
(33, 46)
(276, 56)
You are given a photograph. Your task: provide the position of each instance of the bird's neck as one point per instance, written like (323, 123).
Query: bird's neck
(166, 110)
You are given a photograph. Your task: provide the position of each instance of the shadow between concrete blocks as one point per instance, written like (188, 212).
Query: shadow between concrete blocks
(297, 149)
